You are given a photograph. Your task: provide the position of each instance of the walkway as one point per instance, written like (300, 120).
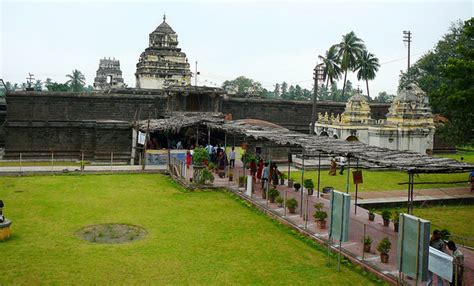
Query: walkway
(359, 224)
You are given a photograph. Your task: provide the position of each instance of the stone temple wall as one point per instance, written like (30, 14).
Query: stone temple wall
(97, 123)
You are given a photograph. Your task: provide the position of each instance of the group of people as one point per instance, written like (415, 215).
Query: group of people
(266, 173)
(458, 259)
(339, 161)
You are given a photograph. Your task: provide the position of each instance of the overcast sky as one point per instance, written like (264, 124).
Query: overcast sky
(266, 41)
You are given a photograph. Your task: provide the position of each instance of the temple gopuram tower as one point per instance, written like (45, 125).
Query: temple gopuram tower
(108, 75)
(162, 64)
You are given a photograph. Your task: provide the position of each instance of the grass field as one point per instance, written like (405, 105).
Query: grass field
(456, 218)
(375, 181)
(192, 238)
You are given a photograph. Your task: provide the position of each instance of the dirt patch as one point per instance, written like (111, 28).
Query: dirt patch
(111, 233)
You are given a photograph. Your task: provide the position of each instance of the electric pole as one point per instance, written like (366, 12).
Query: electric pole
(196, 75)
(407, 39)
(317, 75)
(29, 81)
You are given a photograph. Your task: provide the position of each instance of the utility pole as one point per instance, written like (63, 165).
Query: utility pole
(29, 80)
(196, 75)
(407, 39)
(317, 75)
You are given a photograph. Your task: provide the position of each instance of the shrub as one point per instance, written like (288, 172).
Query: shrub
(297, 186)
(273, 193)
(320, 214)
(199, 156)
(211, 166)
(207, 177)
(445, 234)
(371, 211)
(386, 214)
(396, 216)
(283, 176)
(384, 246)
(279, 200)
(367, 240)
(292, 203)
(308, 184)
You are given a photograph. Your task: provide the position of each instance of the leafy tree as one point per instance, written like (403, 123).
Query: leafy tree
(384, 97)
(349, 50)
(243, 86)
(455, 96)
(284, 90)
(38, 85)
(54, 86)
(366, 66)
(276, 91)
(332, 71)
(76, 80)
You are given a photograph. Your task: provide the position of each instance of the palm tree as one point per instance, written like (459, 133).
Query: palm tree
(332, 71)
(76, 80)
(349, 50)
(366, 67)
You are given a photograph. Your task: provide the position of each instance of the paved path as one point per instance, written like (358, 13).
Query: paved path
(88, 169)
(359, 223)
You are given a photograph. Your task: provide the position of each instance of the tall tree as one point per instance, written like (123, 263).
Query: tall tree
(38, 85)
(244, 86)
(76, 80)
(349, 50)
(284, 90)
(367, 66)
(276, 91)
(332, 71)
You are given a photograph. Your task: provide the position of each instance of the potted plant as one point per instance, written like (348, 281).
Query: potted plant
(395, 220)
(199, 159)
(283, 177)
(279, 200)
(273, 194)
(384, 248)
(309, 185)
(291, 204)
(320, 215)
(297, 186)
(211, 166)
(386, 215)
(371, 214)
(207, 177)
(290, 183)
(242, 181)
(367, 241)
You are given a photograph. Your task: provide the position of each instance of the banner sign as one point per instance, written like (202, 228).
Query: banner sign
(441, 264)
(412, 247)
(339, 223)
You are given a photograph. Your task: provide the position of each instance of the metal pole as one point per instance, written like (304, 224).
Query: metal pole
(208, 136)
(400, 259)
(357, 188)
(348, 171)
(269, 179)
(20, 162)
(408, 199)
(111, 161)
(302, 185)
(196, 75)
(417, 250)
(289, 162)
(315, 94)
(52, 161)
(306, 211)
(363, 252)
(319, 172)
(284, 202)
(82, 163)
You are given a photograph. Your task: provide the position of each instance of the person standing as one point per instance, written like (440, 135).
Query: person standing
(342, 164)
(437, 243)
(332, 168)
(265, 174)
(260, 169)
(188, 159)
(232, 157)
(458, 264)
(253, 168)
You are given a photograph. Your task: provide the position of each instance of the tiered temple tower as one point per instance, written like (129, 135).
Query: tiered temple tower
(108, 75)
(162, 64)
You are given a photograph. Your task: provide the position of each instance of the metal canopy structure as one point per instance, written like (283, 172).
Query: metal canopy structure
(313, 145)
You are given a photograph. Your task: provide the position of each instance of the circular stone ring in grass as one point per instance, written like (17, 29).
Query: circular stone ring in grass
(112, 233)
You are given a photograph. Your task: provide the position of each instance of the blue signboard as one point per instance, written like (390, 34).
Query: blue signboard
(340, 208)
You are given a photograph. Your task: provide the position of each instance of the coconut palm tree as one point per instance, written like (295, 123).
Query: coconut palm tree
(366, 67)
(76, 80)
(349, 50)
(332, 71)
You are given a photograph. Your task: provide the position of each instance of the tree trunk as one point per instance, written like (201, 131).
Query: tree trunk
(327, 83)
(344, 86)
(367, 83)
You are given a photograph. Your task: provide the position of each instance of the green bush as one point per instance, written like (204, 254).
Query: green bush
(199, 156)
(320, 214)
(384, 246)
(386, 214)
(367, 240)
(396, 216)
(273, 193)
(211, 166)
(279, 200)
(292, 203)
(207, 177)
(308, 184)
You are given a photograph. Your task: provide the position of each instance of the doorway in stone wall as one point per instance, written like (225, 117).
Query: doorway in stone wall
(193, 103)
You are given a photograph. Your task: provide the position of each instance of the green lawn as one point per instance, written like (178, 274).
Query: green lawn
(467, 156)
(456, 218)
(193, 238)
(37, 163)
(382, 180)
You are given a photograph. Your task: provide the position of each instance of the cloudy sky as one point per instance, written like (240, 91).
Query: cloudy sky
(264, 40)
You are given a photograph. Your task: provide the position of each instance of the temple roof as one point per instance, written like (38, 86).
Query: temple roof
(164, 28)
